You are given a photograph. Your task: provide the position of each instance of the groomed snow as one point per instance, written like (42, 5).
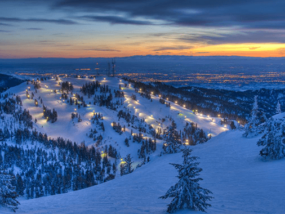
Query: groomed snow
(241, 182)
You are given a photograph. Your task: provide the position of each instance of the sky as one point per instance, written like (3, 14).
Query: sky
(118, 28)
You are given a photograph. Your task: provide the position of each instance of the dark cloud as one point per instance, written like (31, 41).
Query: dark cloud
(3, 24)
(53, 21)
(202, 52)
(33, 28)
(4, 31)
(260, 36)
(173, 48)
(258, 14)
(116, 20)
(251, 21)
(103, 49)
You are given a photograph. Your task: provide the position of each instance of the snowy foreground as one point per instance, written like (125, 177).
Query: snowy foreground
(241, 182)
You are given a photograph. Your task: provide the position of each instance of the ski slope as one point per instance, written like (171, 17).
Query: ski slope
(241, 182)
(152, 112)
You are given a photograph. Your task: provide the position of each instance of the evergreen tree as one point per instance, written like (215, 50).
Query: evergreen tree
(126, 165)
(253, 128)
(8, 194)
(187, 193)
(278, 108)
(273, 139)
(173, 141)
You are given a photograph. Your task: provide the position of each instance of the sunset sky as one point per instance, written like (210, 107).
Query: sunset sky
(110, 28)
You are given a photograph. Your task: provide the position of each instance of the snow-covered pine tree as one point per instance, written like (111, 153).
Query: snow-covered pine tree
(273, 139)
(8, 192)
(173, 141)
(253, 128)
(278, 108)
(187, 193)
(126, 165)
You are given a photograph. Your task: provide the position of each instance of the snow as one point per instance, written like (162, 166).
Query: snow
(241, 182)
(64, 127)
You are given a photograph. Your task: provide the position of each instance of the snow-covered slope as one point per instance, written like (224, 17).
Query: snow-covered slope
(241, 182)
(152, 112)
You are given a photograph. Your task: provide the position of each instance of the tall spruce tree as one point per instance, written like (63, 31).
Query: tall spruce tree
(278, 108)
(273, 139)
(187, 193)
(173, 141)
(8, 192)
(253, 128)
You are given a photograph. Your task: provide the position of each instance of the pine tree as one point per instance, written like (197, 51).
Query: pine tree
(253, 128)
(273, 139)
(187, 193)
(126, 165)
(173, 142)
(278, 108)
(8, 194)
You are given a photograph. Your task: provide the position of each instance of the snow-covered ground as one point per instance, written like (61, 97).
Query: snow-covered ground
(241, 182)
(153, 112)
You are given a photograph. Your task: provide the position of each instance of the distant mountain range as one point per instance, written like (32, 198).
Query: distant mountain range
(141, 58)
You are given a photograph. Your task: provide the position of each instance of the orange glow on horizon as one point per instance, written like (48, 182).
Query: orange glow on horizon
(248, 50)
